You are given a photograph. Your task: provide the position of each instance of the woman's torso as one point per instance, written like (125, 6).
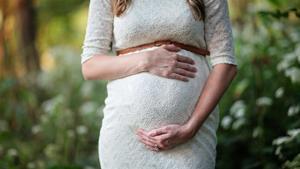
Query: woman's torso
(146, 99)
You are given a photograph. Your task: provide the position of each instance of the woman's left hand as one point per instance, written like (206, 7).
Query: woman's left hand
(165, 137)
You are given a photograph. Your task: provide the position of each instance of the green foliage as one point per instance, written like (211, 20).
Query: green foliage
(51, 120)
(282, 14)
(266, 97)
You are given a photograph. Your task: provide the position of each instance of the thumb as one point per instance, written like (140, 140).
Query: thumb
(157, 131)
(171, 48)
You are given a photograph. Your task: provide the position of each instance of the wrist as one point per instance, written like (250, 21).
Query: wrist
(188, 131)
(190, 128)
(143, 61)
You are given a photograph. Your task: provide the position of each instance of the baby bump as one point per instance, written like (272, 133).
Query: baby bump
(149, 100)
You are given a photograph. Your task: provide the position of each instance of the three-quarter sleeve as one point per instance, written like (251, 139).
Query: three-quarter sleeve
(218, 32)
(99, 29)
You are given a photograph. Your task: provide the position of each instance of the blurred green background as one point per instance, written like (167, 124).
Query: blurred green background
(50, 117)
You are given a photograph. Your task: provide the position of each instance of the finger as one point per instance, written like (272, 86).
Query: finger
(147, 137)
(158, 131)
(146, 141)
(163, 141)
(185, 59)
(178, 77)
(186, 66)
(149, 145)
(171, 48)
(166, 144)
(144, 133)
(184, 72)
(163, 137)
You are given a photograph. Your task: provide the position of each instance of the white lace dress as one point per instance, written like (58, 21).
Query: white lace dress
(148, 101)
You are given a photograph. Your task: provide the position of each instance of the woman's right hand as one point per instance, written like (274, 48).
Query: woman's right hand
(164, 61)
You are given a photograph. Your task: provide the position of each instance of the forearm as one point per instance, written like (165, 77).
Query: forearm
(214, 88)
(105, 67)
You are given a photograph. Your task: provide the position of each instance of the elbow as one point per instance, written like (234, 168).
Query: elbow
(86, 77)
(87, 72)
(91, 72)
(234, 70)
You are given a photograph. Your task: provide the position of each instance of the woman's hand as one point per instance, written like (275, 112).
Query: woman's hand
(165, 137)
(165, 62)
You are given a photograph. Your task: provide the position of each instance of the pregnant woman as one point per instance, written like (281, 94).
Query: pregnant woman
(170, 64)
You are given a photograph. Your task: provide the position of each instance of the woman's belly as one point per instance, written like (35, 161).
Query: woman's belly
(147, 100)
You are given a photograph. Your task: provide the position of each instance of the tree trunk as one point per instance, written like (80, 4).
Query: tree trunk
(26, 21)
(6, 62)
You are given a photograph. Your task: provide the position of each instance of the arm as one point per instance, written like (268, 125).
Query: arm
(105, 67)
(214, 88)
(218, 34)
(96, 63)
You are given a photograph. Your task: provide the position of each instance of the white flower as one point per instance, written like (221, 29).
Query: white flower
(238, 109)
(226, 121)
(81, 129)
(282, 65)
(3, 125)
(36, 129)
(279, 92)
(278, 151)
(297, 52)
(238, 123)
(50, 105)
(86, 89)
(294, 132)
(286, 62)
(88, 167)
(263, 101)
(51, 150)
(12, 152)
(237, 105)
(293, 110)
(240, 113)
(281, 140)
(257, 132)
(31, 165)
(293, 73)
(88, 107)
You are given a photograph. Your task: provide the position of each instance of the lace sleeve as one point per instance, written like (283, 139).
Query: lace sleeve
(218, 32)
(98, 35)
